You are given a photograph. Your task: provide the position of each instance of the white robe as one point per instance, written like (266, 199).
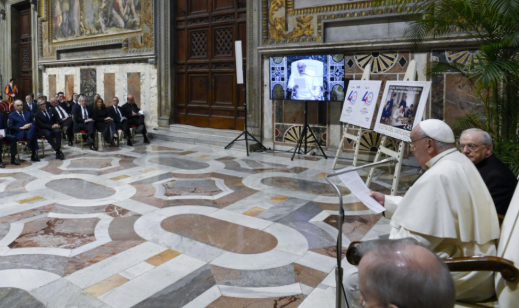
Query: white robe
(450, 211)
(306, 92)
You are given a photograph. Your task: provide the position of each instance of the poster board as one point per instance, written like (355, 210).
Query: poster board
(360, 102)
(402, 107)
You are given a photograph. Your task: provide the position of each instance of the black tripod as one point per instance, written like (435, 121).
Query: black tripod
(303, 137)
(245, 132)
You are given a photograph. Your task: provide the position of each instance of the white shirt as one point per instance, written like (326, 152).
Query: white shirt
(450, 211)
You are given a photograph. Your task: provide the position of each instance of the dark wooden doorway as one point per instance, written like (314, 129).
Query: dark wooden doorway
(207, 94)
(21, 50)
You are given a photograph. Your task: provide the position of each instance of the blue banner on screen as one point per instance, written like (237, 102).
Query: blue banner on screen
(307, 78)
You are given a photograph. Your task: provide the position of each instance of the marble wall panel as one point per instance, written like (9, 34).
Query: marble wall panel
(134, 86)
(52, 86)
(88, 83)
(69, 86)
(460, 98)
(109, 87)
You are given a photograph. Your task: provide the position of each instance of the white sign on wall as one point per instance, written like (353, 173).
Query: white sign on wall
(360, 102)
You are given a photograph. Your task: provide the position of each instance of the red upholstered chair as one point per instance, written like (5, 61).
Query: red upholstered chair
(5, 106)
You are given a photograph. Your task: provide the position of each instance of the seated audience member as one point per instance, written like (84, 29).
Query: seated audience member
(401, 273)
(121, 122)
(49, 127)
(476, 144)
(65, 120)
(30, 105)
(83, 121)
(68, 105)
(104, 123)
(131, 112)
(47, 102)
(10, 139)
(22, 126)
(448, 209)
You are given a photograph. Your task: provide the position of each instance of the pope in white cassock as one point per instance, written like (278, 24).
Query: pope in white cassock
(302, 83)
(448, 210)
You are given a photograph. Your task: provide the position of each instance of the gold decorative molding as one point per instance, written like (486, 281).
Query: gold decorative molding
(274, 26)
(136, 36)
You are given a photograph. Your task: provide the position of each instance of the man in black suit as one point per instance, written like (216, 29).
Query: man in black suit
(83, 121)
(30, 105)
(7, 138)
(132, 112)
(65, 120)
(22, 127)
(476, 144)
(47, 123)
(121, 122)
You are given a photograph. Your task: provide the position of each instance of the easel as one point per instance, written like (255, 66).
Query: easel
(410, 75)
(303, 137)
(349, 136)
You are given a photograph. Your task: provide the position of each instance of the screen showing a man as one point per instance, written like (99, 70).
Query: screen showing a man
(304, 84)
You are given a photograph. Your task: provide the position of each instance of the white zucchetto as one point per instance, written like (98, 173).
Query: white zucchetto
(437, 130)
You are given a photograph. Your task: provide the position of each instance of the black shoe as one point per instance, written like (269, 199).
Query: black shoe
(140, 129)
(93, 147)
(71, 144)
(129, 142)
(2, 164)
(59, 155)
(146, 140)
(35, 157)
(14, 161)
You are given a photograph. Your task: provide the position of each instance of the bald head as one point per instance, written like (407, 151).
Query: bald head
(400, 273)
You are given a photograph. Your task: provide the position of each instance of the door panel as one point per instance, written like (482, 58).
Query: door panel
(206, 91)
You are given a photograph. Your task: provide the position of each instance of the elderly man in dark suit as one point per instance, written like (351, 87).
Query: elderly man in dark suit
(65, 120)
(22, 127)
(83, 121)
(476, 144)
(116, 113)
(30, 105)
(132, 112)
(49, 127)
(10, 139)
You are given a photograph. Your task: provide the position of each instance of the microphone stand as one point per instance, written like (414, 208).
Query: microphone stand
(339, 272)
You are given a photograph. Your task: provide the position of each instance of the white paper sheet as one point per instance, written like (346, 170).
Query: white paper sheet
(354, 183)
(2, 132)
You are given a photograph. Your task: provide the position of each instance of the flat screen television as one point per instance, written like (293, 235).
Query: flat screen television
(310, 77)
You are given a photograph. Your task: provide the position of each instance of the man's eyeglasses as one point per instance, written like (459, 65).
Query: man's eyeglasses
(413, 141)
(472, 147)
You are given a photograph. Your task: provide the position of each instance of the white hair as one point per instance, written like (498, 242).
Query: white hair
(486, 139)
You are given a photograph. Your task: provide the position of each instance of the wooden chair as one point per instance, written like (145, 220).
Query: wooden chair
(505, 264)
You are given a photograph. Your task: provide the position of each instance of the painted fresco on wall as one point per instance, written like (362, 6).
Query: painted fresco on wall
(74, 19)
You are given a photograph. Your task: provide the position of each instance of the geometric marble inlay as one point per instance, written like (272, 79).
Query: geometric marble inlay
(203, 187)
(81, 189)
(179, 163)
(91, 163)
(221, 234)
(67, 233)
(302, 185)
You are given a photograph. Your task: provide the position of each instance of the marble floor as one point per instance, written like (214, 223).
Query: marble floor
(175, 225)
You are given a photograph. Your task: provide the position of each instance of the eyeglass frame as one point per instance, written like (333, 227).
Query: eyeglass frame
(413, 147)
(469, 146)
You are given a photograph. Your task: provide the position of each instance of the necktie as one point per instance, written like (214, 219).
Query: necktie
(22, 115)
(119, 113)
(30, 107)
(60, 112)
(47, 115)
(85, 116)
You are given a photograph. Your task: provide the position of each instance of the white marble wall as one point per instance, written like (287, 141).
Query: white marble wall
(149, 95)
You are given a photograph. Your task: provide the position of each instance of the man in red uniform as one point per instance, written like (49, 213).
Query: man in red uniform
(11, 90)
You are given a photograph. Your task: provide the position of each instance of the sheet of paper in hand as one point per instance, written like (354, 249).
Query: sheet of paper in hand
(354, 183)
(360, 102)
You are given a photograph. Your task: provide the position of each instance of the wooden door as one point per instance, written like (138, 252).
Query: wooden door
(25, 65)
(207, 94)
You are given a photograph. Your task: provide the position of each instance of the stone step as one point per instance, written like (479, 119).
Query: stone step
(202, 136)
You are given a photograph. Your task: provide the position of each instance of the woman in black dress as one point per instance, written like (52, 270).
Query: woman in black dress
(104, 123)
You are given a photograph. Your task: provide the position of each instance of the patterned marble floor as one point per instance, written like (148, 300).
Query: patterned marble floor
(175, 225)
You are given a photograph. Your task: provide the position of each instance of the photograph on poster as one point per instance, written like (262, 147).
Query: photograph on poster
(401, 108)
(360, 102)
